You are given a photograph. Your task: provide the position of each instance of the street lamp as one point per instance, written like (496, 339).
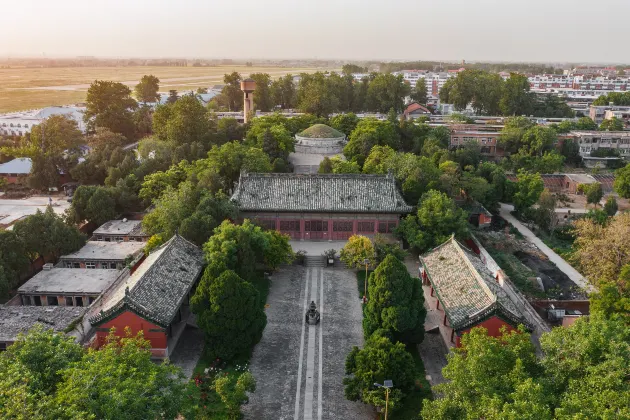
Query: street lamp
(366, 262)
(387, 384)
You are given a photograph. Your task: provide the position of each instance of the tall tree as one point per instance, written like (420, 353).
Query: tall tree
(612, 124)
(110, 105)
(173, 96)
(284, 92)
(527, 190)
(370, 132)
(263, 100)
(230, 314)
(357, 250)
(386, 91)
(147, 89)
(419, 92)
(622, 181)
(13, 260)
(395, 302)
(92, 203)
(187, 122)
(516, 98)
(232, 94)
(315, 95)
(594, 193)
(346, 123)
(104, 138)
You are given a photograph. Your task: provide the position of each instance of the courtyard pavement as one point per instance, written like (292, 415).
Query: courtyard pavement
(299, 368)
(188, 350)
(12, 210)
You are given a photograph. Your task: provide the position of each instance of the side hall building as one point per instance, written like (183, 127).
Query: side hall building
(464, 292)
(321, 206)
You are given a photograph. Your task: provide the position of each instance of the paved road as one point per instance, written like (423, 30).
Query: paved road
(14, 209)
(565, 267)
(299, 368)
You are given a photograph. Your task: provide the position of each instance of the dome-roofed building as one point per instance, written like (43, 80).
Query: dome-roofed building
(320, 139)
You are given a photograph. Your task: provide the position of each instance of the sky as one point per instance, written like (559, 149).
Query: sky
(474, 30)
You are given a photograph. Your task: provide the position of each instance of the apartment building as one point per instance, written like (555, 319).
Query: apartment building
(589, 141)
(487, 139)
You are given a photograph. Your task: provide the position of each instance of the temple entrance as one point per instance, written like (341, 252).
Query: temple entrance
(315, 229)
(342, 230)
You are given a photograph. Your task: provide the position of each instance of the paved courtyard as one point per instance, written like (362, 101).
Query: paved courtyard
(12, 210)
(299, 368)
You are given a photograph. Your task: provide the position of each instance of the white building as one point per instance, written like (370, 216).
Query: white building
(20, 123)
(589, 141)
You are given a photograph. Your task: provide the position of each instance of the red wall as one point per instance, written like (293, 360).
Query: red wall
(492, 324)
(129, 319)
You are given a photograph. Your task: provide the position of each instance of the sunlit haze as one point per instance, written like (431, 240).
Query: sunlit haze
(508, 30)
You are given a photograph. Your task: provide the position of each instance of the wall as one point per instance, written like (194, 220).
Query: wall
(492, 324)
(156, 335)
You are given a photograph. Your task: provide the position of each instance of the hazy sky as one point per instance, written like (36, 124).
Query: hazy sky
(505, 30)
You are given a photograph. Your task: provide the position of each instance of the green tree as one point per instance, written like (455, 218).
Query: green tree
(622, 181)
(594, 193)
(234, 393)
(586, 123)
(346, 123)
(110, 105)
(121, 381)
(230, 314)
(147, 89)
(263, 98)
(183, 122)
(370, 132)
(232, 94)
(92, 203)
(338, 165)
(103, 138)
(438, 218)
(612, 297)
(56, 135)
(395, 302)
(315, 95)
(527, 190)
(379, 360)
(46, 234)
(612, 124)
(13, 260)
(516, 98)
(537, 140)
(490, 377)
(171, 209)
(419, 93)
(156, 183)
(356, 251)
(284, 92)
(244, 248)
(325, 166)
(387, 91)
(611, 206)
(513, 132)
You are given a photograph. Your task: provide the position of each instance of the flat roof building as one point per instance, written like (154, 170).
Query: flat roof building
(66, 286)
(120, 231)
(100, 254)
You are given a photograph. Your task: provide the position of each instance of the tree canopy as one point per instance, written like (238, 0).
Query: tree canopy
(110, 105)
(147, 89)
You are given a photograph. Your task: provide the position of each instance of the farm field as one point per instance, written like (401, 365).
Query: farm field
(28, 88)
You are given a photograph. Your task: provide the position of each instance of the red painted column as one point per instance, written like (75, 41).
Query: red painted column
(330, 229)
(301, 229)
(354, 226)
(375, 226)
(278, 224)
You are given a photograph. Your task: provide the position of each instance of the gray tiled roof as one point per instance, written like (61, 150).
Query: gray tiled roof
(157, 288)
(121, 228)
(20, 319)
(356, 193)
(465, 287)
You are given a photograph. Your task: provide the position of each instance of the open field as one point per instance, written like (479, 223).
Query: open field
(28, 88)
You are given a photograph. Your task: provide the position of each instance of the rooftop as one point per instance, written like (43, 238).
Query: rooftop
(356, 193)
(465, 287)
(70, 280)
(121, 227)
(157, 288)
(321, 131)
(601, 133)
(109, 251)
(581, 178)
(17, 166)
(19, 319)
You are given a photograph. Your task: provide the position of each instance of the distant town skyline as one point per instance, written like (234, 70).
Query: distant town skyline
(450, 30)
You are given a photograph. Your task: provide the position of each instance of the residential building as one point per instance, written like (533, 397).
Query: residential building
(66, 286)
(321, 206)
(487, 139)
(466, 295)
(569, 183)
(415, 110)
(16, 171)
(154, 299)
(16, 320)
(621, 113)
(120, 231)
(103, 255)
(590, 141)
(599, 113)
(20, 123)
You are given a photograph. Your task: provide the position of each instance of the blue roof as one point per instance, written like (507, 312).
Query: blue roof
(17, 166)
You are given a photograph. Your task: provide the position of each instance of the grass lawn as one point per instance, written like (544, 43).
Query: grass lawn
(66, 85)
(207, 402)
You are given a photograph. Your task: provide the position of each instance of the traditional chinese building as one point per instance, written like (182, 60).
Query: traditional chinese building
(321, 206)
(155, 298)
(121, 231)
(465, 294)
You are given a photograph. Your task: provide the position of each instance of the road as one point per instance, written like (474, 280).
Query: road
(562, 265)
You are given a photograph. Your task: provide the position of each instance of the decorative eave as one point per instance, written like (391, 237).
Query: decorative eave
(126, 304)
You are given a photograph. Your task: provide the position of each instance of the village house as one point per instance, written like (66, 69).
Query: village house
(97, 254)
(16, 171)
(464, 293)
(66, 286)
(154, 299)
(120, 231)
(321, 206)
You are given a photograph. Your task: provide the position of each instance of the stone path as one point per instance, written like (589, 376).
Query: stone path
(562, 265)
(299, 368)
(188, 350)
